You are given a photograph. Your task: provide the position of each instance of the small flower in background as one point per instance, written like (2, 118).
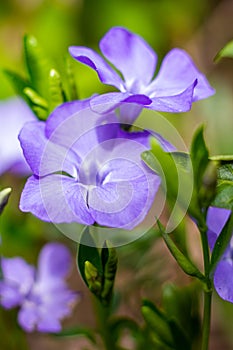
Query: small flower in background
(14, 113)
(177, 85)
(86, 171)
(223, 275)
(42, 296)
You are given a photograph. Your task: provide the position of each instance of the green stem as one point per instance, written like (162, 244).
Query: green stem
(207, 291)
(102, 316)
(206, 320)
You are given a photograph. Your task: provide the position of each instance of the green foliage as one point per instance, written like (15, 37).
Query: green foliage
(97, 268)
(183, 261)
(43, 89)
(224, 195)
(176, 179)
(181, 304)
(205, 175)
(87, 251)
(226, 51)
(163, 330)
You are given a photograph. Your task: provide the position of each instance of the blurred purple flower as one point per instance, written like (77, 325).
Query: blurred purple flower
(86, 170)
(43, 296)
(177, 85)
(14, 113)
(223, 275)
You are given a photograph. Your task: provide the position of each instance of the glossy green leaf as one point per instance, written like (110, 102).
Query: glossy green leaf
(222, 243)
(38, 65)
(87, 251)
(76, 332)
(226, 51)
(183, 261)
(38, 104)
(56, 92)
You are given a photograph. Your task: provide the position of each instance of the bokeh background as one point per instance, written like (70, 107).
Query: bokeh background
(202, 27)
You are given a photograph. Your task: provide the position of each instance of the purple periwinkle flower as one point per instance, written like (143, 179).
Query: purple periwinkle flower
(86, 170)
(223, 275)
(42, 296)
(14, 113)
(177, 85)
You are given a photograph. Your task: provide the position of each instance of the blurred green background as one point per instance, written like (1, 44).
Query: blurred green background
(202, 27)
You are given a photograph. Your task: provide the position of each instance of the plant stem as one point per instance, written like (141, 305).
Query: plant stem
(207, 291)
(206, 320)
(102, 315)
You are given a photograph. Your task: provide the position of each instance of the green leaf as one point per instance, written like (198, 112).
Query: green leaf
(225, 172)
(56, 92)
(176, 179)
(38, 104)
(157, 321)
(182, 159)
(38, 65)
(4, 197)
(18, 83)
(109, 262)
(182, 305)
(88, 252)
(199, 155)
(222, 243)
(76, 331)
(183, 261)
(73, 94)
(224, 196)
(226, 51)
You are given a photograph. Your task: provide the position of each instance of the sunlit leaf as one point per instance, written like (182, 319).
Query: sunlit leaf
(226, 51)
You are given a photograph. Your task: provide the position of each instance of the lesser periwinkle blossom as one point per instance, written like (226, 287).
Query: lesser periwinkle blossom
(223, 274)
(178, 84)
(86, 170)
(42, 295)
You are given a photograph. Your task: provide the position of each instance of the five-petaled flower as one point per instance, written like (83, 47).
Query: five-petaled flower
(43, 295)
(177, 85)
(86, 170)
(14, 113)
(223, 275)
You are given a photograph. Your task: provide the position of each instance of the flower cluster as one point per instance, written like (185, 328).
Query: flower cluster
(86, 169)
(42, 296)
